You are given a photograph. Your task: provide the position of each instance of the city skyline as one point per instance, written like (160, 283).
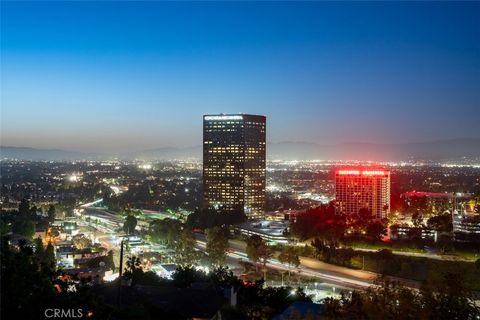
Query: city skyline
(89, 83)
(239, 160)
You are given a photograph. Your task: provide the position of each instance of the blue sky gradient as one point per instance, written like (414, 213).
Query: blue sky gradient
(125, 76)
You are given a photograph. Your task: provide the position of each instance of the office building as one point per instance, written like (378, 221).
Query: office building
(234, 164)
(466, 224)
(362, 188)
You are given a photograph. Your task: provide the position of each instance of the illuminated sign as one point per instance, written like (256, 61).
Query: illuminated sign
(347, 172)
(233, 117)
(363, 172)
(373, 173)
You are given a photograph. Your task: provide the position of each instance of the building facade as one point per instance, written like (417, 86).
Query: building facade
(234, 160)
(466, 225)
(362, 188)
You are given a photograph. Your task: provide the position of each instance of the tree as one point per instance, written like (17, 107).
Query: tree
(28, 289)
(289, 255)
(444, 242)
(39, 250)
(259, 302)
(133, 269)
(264, 253)
(376, 230)
(185, 276)
(414, 235)
(105, 261)
(253, 244)
(24, 208)
(51, 214)
(130, 224)
(49, 260)
(442, 223)
(319, 222)
(185, 250)
(165, 231)
(4, 228)
(23, 227)
(217, 245)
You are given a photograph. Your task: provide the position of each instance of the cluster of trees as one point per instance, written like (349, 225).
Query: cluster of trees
(30, 284)
(258, 302)
(258, 251)
(365, 223)
(282, 201)
(180, 237)
(130, 224)
(329, 251)
(217, 245)
(24, 223)
(185, 248)
(290, 256)
(24, 220)
(331, 228)
(208, 218)
(105, 261)
(44, 256)
(319, 220)
(254, 300)
(165, 231)
(445, 299)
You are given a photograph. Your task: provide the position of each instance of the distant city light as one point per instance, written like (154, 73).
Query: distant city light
(73, 178)
(145, 166)
(362, 172)
(111, 277)
(115, 189)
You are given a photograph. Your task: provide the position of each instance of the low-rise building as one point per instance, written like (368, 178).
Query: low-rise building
(466, 227)
(271, 231)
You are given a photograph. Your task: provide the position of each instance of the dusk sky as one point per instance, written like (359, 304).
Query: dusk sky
(125, 76)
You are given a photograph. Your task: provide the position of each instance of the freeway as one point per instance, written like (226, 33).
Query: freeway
(333, 274)
(350, 278)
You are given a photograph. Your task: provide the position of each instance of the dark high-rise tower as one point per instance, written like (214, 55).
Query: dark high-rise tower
(234, 163)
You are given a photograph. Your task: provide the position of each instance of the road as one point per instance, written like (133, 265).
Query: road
(353, 279)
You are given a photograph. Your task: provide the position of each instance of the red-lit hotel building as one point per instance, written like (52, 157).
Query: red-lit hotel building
(362, 188)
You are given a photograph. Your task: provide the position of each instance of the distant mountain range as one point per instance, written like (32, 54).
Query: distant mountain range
(436, 150)
(24, 153)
